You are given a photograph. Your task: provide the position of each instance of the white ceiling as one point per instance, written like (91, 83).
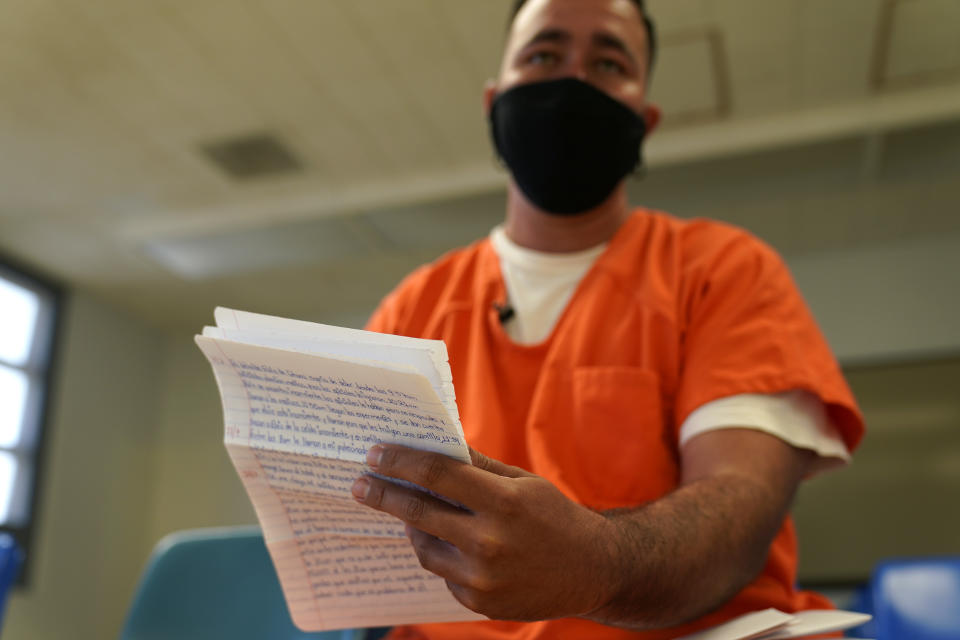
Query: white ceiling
(105, 105)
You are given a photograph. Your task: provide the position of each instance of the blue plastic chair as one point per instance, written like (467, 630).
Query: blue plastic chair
(11, 559)
(214, 584)
(915, 599)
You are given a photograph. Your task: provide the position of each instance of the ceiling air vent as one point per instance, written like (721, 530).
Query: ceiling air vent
(252, 156)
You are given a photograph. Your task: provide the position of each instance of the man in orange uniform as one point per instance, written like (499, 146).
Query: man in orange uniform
(646, 392)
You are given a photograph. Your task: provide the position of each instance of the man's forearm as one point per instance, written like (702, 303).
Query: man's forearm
(686, 554)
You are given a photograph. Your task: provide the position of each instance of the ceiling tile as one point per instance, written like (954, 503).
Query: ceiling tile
(763, 43)
(204, 102)
(924, 40)
(836, 49)
(365, 95)
(244, 45)
(680, 15)
(480, 29)
(431, 71)
(686, 84)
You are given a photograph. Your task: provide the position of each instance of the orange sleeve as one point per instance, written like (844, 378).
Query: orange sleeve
(747, 329)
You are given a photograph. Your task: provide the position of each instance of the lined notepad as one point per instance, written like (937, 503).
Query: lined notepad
(302, 404)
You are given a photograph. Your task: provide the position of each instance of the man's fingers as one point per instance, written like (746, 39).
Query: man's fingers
(447, 561)
(415, 508)
(463, 483)
(495, 466)
(436, 555)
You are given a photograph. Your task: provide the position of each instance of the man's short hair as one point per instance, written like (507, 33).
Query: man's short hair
(647, 23)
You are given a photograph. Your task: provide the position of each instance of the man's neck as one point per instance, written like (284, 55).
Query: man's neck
(535, 229)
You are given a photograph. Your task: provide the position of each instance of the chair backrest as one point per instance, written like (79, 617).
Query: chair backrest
(11, 559)
(213, 584)
(917, 599)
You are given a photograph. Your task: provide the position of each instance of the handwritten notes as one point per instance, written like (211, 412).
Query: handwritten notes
(302, 404)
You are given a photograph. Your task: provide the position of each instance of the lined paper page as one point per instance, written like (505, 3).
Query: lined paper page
(315, 492)
(745, 627)
(337, 582)
(300, 412)
(315, 405)
(806, 623)
(356, 568)
(421, 359)
(388, 347)
(772, 624)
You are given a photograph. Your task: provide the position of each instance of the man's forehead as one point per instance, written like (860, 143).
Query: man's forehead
(620, 18)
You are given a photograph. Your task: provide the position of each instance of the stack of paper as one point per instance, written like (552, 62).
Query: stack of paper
(772, 624)
(302, 404)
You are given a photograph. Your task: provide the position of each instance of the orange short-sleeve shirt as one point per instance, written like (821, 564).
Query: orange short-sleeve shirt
(672, 315)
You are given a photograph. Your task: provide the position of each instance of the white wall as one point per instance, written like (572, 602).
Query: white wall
(135, 450)
(884, 304)
(899, 496)
(91, 532)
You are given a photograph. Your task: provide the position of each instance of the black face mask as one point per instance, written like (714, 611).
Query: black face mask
(567, 144)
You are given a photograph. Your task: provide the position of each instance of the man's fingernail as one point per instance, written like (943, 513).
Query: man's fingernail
(360, 488)
(374, 455)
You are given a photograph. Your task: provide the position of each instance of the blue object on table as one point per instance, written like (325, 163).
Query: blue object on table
(11, 559)
(214, 584)
(863, 602)
(915, 598)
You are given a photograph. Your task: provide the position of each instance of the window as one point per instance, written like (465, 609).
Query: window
(28, 317)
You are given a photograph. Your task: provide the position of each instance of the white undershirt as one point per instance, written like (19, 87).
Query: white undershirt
(539, 286)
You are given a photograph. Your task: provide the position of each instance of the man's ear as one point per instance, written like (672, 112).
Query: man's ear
(489, 93)
(651, 116)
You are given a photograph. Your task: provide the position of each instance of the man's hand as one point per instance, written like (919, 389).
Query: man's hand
(520, 550)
